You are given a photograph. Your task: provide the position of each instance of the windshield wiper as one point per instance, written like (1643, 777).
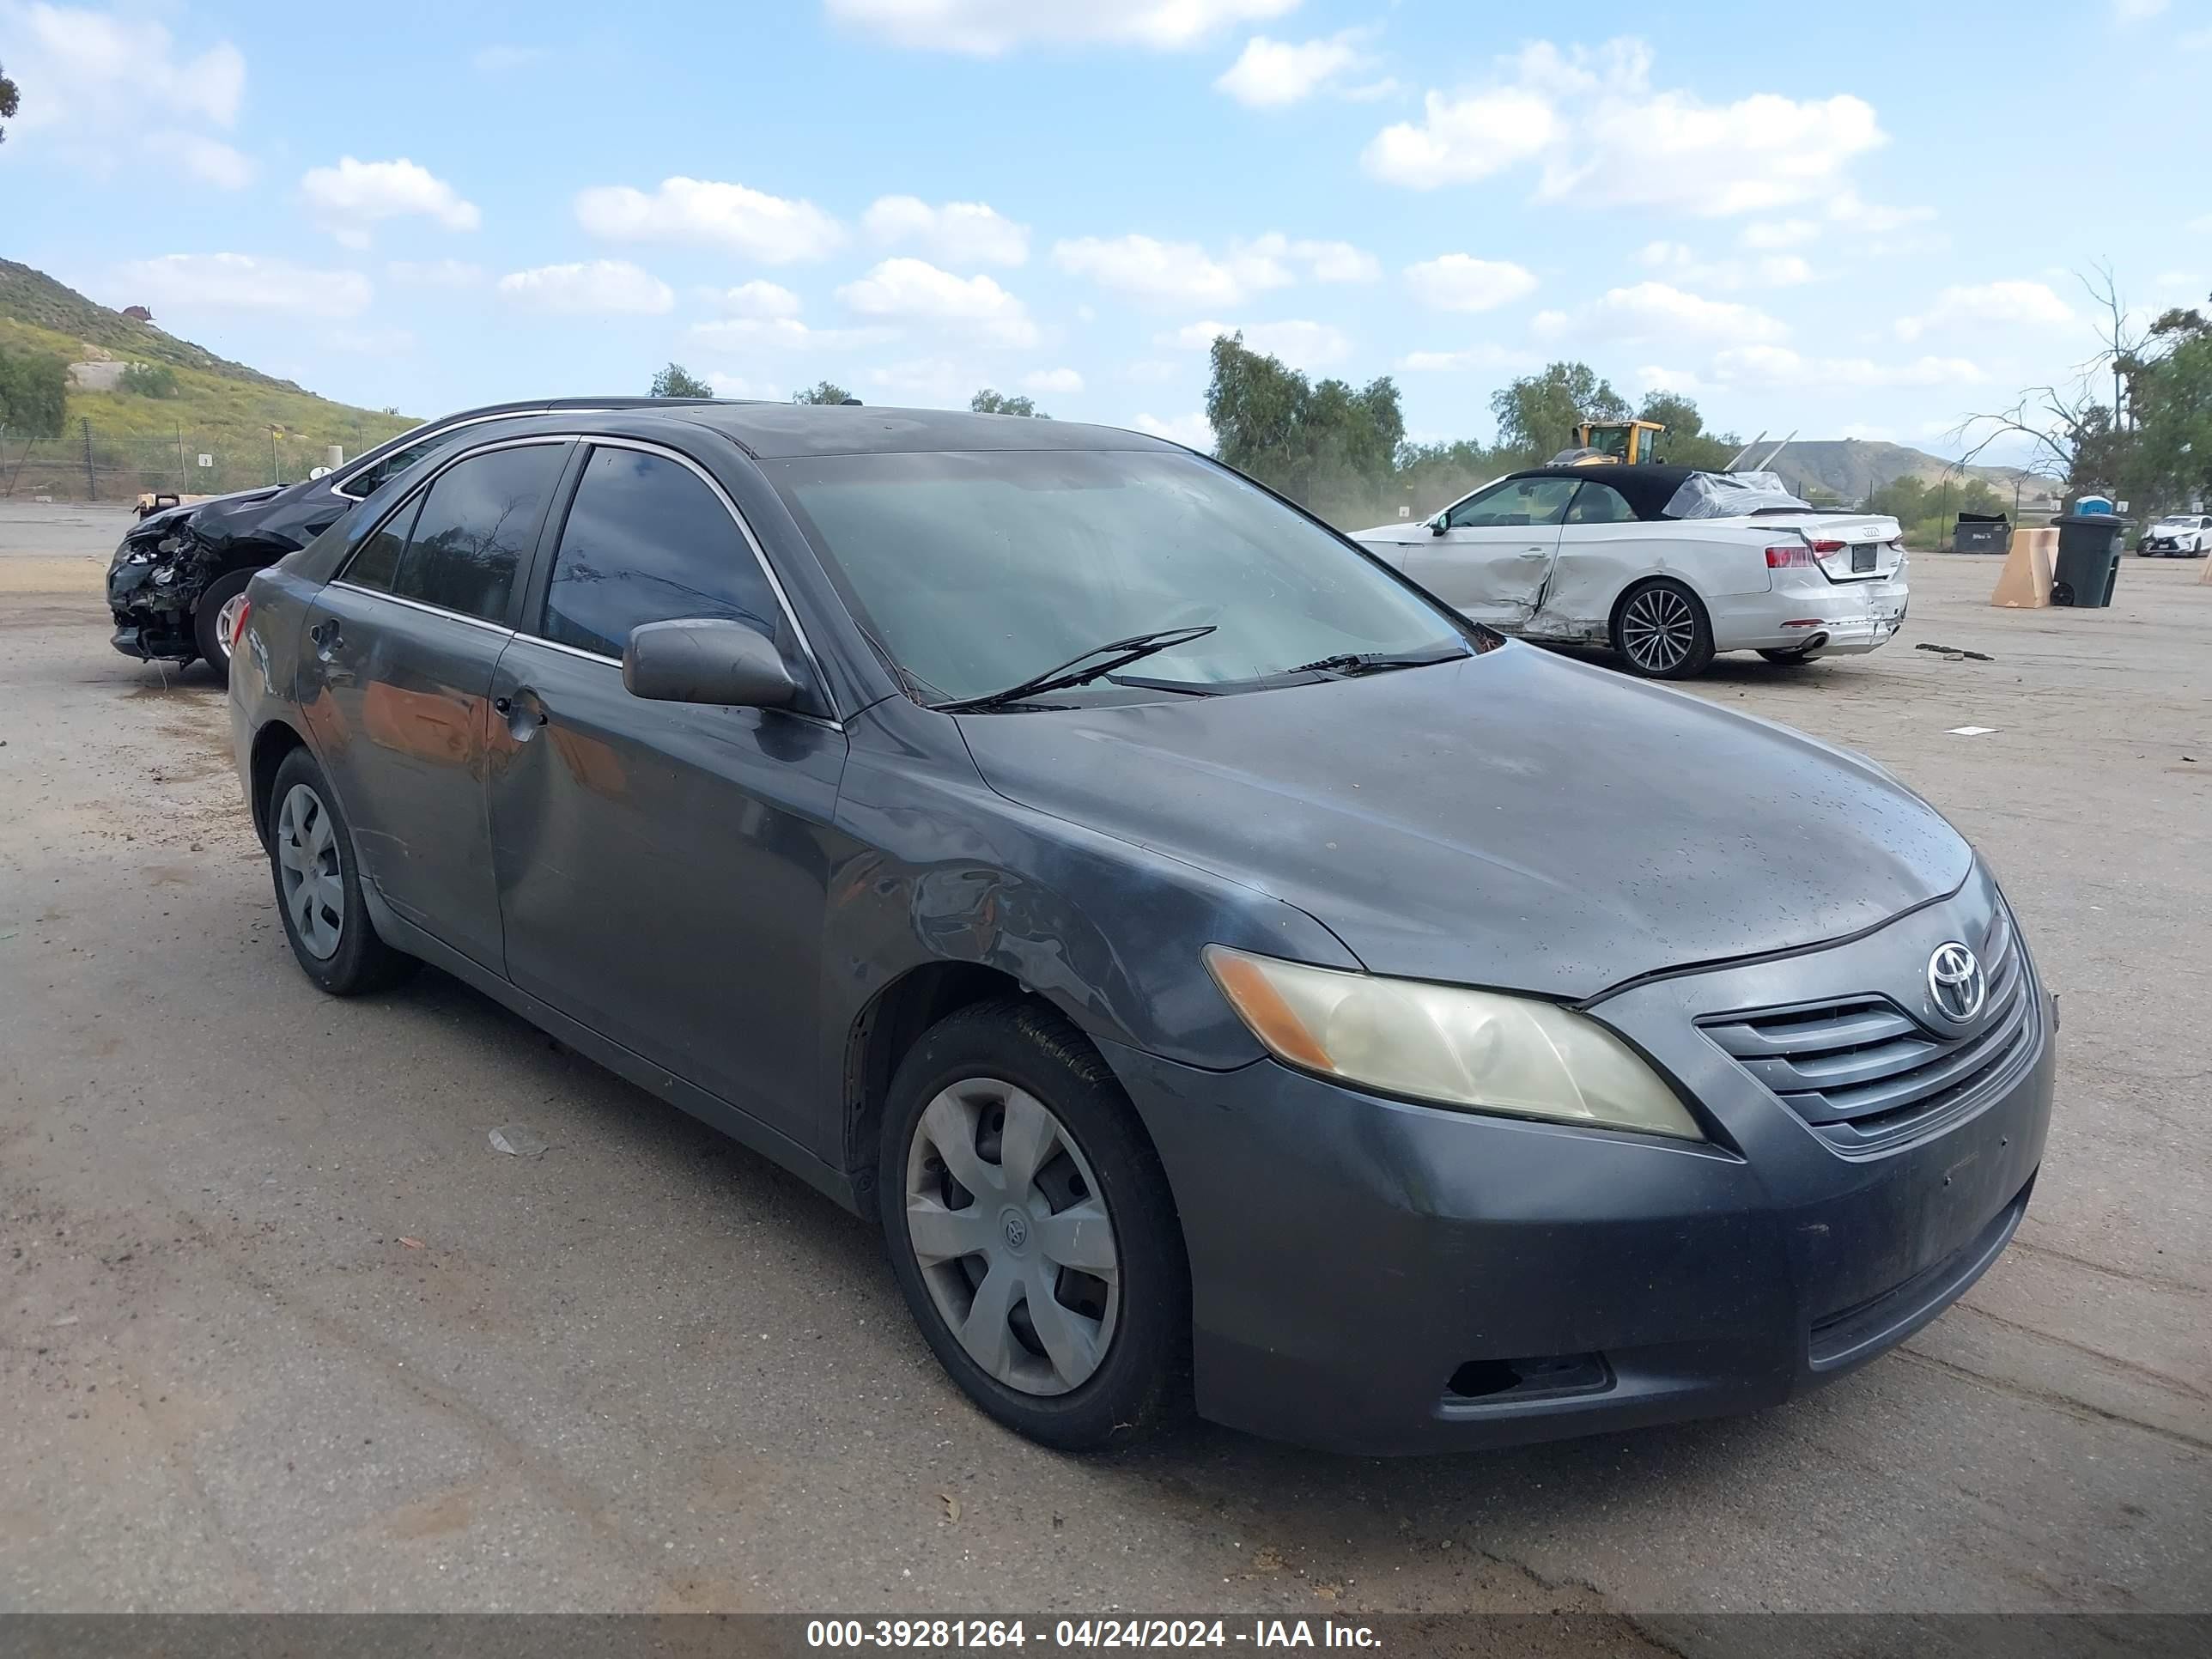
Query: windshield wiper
(1112, 655)
(1368, 662)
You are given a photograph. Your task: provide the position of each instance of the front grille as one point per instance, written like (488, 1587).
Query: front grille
(1863, 1072)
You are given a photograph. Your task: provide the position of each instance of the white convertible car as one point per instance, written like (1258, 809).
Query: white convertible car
(1666, 564)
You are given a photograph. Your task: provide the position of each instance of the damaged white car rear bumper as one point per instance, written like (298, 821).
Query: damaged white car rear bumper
(1828, 619)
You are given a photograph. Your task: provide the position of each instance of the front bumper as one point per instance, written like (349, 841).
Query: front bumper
(1850, 618)
(1373, 1276)
(152, 619)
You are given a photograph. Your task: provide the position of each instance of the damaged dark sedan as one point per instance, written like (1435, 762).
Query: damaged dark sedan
(1223, 971)
(177, 580)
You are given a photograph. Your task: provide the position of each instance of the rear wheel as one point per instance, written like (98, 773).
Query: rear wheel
(311, 858)
(1030, 1228)
(215, 619)
(1660, 630)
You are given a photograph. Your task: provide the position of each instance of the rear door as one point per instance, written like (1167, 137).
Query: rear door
(663, 869)
(395, 679)
(1491, 557)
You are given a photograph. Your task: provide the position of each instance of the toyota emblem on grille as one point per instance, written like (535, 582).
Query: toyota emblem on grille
(1956, 983)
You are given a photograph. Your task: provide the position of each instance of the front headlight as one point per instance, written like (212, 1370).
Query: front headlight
(1478, 1050)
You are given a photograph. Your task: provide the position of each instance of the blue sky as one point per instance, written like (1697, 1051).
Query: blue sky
(1857, 220)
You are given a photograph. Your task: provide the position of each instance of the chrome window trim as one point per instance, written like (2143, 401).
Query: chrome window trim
(342, 479)
(760, 558)
(500, 628)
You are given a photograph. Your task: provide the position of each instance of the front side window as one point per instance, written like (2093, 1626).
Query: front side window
(476, 522)
(979, 570)
(1515, 503)
(648, 541)
(370, 480)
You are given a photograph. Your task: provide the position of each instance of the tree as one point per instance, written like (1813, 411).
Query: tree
(824, 391)
(1537, 414)
(988, 402)
(1688, 443)
(7, 101)
(34, 392)
(147, 381)
(1331, 446)
(677, 381)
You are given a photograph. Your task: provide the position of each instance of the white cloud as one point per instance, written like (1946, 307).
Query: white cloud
(1193, 430)
(1659, 312)
(1172, 272)
(2138, 11)
(349, 198)
(957, 233)
(932, 381)
(1459, 282)
(985, 28)
(1298, 343)
(1467, 358)
(1778, 233)
(1275, 74)
(1330, 262)
(1848, 211)
(240, 282)
(754, 299)
(1680, 265)
(600, 288)
(2005, 304)
(914, 289)
(725, 385)
(1607, 138)
(1459, 139)
(435, 273)
(109, 92)
(786, 334)
(770, 229)
(1778, 366)
(1060, 382)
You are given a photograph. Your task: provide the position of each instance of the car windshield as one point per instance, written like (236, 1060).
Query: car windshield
(979, 570)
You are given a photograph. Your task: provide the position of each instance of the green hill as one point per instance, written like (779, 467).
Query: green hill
(1851, 469)
(255, 429)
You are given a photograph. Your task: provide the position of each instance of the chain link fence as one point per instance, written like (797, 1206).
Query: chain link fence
(87, 464)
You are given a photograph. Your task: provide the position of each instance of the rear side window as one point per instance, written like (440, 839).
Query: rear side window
(466, 540)
(1597, 503)
(648, 541)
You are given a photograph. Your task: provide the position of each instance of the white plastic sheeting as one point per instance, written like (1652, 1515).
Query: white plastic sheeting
(1728, 494)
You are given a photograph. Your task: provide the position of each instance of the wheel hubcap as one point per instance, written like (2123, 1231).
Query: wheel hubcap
(307, 867)
(226, 623)
(1657, 629)
(1005, 1219)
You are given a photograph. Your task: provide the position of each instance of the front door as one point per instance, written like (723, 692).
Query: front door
(664, 868)
(1491, 558)
(396, 681)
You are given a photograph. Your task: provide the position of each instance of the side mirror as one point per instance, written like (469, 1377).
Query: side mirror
(706, 660)
(1437, 524)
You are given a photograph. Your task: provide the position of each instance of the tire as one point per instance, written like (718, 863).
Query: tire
(1791, 659)
(1661, 631)
(208, 620)
(309, 840)
(980, 1068)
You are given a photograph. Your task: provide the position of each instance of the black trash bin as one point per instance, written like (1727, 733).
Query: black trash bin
(1981, 532)
(2088, 558)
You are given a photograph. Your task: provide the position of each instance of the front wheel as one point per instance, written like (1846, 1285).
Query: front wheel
(1660, 630)
(215, 619)
(1030, 1229)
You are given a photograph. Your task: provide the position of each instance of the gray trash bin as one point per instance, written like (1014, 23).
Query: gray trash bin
(2088, 558)
(1981, 532)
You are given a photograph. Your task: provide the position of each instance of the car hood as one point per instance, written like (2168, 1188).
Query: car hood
(1515, 819)
(170, 517)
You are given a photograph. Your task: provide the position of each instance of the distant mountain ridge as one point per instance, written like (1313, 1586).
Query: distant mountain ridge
(32, 298)
(1853, 467)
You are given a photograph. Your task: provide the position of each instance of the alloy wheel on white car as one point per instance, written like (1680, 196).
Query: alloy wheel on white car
(1658, 630)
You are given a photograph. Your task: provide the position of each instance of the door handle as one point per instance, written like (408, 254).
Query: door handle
(1538, 553)
(523, 712)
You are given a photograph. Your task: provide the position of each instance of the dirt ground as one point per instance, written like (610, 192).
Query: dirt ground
(281, 1330)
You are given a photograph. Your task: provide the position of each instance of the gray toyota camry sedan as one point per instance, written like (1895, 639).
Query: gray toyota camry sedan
(1226, 975)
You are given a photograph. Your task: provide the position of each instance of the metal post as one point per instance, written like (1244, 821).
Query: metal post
(275, 474)
(181, 474)
(91, 484)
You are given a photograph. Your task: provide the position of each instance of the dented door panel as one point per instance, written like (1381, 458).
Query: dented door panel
(1598, 562)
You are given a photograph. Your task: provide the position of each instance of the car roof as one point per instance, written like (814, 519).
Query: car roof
(1648, 486)
(778, 431)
